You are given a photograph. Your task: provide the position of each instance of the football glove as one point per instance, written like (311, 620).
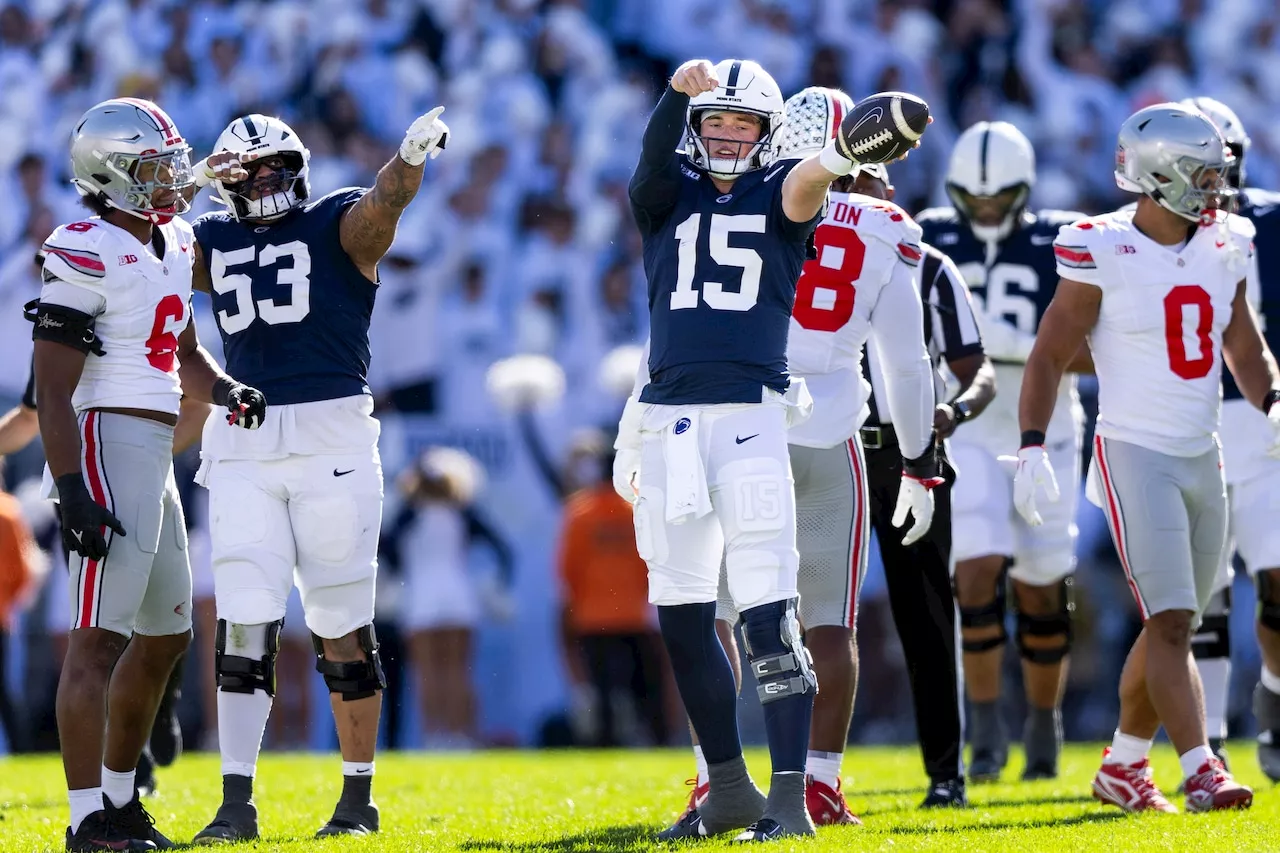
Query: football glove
(426, 137)
(1034, 471)
(1273, 417)
(246, 407)
(626, 474)
(915, 494)
(84, 520)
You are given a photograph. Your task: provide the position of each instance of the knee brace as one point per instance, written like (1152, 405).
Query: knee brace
(1054, 625)
(1212, 639)
(241, 673)
(778, 658)
(983, 615)
(355, 679)
(1268, 600)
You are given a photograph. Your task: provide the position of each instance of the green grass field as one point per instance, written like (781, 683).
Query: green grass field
(612, 802)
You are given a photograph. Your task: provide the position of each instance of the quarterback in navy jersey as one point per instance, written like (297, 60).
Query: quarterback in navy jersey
(1005, 253)
(293, 279)
(1253, 479)
(702, 445)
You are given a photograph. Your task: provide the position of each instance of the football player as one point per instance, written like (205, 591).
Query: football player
(292, 279)
(115, 349)
(1158, 342)
(726, 227)
(1252, 485)
(1005, 253)
(861, 284)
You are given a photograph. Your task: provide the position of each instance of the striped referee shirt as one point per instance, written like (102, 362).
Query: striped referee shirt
(950, 331)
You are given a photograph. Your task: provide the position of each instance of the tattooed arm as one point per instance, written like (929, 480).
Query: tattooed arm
(370, 225)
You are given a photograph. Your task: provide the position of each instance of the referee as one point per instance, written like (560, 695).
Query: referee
(918, 576)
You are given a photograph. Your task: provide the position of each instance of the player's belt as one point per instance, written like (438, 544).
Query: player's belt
(877, 437)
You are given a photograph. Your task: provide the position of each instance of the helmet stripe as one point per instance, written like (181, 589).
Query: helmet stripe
(982, 156)
(837, 116)
(170, 132)
(731, 85)
(251, 128)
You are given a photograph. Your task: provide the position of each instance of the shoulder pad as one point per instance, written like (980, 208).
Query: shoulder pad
(1073, 248)
(938, 216)
(1241, 225)
(207, 219)
(74, 253)
(1261, 204)
(338, 200)
(884, 220)
(1051, 220)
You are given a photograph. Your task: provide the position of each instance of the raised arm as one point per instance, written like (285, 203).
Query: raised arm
(654, 184)
(369, 226)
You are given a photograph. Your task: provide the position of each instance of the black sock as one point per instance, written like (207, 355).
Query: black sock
(704, 677)
(237, 789)
(357, 790)
(786, 718)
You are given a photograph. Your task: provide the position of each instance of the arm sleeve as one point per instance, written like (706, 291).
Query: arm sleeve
(656, 181)
(897, 332)
(482, 531)
(954, 326)
(1074, 256)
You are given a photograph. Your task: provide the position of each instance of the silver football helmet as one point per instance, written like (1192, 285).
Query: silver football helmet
(1232, 130)
(1176, 157)
(127, 153)
(744, 87)
(284, 189)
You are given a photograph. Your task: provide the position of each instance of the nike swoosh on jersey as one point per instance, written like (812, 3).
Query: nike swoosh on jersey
(740, 440)
(338, 473)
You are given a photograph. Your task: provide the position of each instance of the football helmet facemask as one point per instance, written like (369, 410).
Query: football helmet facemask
(270, 142)
(992, 171)
(744, 87)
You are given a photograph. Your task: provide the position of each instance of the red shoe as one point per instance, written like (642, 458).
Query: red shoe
(1129, 786)
(1212, 788)
(696, 796)
(826, 804)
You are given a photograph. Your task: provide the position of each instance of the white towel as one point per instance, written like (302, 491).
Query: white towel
(687, 490)
(799, 402)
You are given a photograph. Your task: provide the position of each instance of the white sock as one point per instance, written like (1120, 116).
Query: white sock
(357, 768)
(1270, 680)
(1127, 749)
(117, 787)
(1193, 759)
(84, 802)
(1215, 674)
(700, 760)
(242, 720)
(824, 767)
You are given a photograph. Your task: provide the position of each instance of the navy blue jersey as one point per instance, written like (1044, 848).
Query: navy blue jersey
(1017, 282)
(722, 271)
(1262, 207)
(292, 308)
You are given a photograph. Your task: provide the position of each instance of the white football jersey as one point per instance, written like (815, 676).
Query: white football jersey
(863, 244)
(141, 304)
(1157, 344)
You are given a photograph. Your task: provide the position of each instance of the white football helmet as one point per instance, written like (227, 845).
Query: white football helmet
(744, 87)
(1165, 152)
(1232, 130)
(279, 193)
(991, 158)
(125, 150)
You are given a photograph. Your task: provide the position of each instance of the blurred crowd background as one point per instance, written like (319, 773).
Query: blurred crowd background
(521, 242)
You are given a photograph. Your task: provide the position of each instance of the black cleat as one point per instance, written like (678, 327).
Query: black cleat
(351, 820)
(100, 831)
(948, 793)
(688, 826)
(233, 822)
(137, 822)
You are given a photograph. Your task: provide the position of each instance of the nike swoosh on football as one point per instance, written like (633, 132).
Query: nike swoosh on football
(771, 174)
(338, 473)
(740, 440)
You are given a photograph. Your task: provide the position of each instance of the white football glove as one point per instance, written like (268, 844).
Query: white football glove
(1273, 418)
(626, 474)
(1034, 471)
(915, 495)
(426, 137)
(226, 167)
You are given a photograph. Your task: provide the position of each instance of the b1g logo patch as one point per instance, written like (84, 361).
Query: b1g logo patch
(682, 426)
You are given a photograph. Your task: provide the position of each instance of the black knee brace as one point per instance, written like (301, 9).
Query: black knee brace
(1268, 599)
(1054, 625)
(244, 675)
(1212, 639)
(779, 660)
(991, 613)
(356, 679)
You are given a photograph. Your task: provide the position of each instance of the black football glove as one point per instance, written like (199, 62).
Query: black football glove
(246, 406)
(84, 521)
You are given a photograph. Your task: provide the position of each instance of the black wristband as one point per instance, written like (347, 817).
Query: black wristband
(1032, 438)
(1273, 397)
(924, 466)
(71, 486)
(221, 392)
